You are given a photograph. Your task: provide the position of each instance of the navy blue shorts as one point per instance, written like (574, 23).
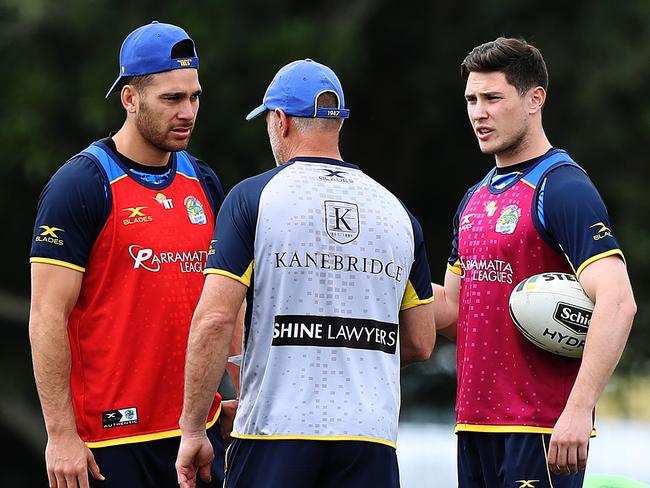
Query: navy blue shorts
(508, 461)
(151, 464)
(310, 464)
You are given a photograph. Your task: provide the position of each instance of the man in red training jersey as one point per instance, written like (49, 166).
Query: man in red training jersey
(121, 238)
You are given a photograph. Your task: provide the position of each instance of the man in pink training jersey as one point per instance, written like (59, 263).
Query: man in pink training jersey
(523, 415)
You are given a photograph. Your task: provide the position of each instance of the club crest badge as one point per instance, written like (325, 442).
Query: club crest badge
(507, 221)
(341, 221)
(195, 210)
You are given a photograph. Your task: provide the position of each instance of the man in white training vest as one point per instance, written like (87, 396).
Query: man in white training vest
(334, 270)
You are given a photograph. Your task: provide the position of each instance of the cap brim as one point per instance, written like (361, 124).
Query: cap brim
(259, 110)
(116, 86)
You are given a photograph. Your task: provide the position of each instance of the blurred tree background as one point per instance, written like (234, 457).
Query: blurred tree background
(398, 62)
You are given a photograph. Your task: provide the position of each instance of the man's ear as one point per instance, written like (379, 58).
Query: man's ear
(536, 99)
(129, 98)
(283, 122)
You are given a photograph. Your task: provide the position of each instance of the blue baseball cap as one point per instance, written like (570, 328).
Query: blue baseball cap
(295, 90)
(154, 48)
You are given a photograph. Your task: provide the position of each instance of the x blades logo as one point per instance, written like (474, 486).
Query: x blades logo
(334, 175)
(526, 483)
(50, 231)
(136, 215)
(602, 231)
(211, 250)
(466, 222)
(49, 235)
(135, 211)
(122, 416)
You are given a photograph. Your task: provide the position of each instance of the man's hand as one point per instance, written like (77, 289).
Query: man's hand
(195, 457)
(68, 461)
(227, 418)
(567, 452)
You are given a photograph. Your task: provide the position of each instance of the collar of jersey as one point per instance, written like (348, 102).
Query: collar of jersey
(516, 172)
(314, 159)
(120, 160)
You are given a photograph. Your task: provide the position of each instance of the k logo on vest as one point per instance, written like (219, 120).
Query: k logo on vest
(341, 221)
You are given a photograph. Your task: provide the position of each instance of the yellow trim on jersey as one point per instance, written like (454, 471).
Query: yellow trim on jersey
(119, 178)
(187, 176)
(597, 257)
(57, 262)
(528, 183)
(288, 437)
(244, 279)
(411, 298)
(499, 429)
(149, 437)
(456, 269)
(507, 429)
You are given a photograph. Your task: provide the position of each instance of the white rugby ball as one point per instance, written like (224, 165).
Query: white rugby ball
(553, 312)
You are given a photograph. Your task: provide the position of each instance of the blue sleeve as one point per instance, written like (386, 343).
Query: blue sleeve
(211, 185)
(418, 290)
(72, 209)
(232, 250)
(575, 216)
(452, 262)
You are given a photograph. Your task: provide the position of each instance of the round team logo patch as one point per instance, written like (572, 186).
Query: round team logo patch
(195, 210)
(507, 221)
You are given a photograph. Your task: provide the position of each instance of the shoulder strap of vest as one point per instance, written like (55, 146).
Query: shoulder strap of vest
(536, 178)
(185, 165)
(110, 167)
(114, 171)
(541, 169)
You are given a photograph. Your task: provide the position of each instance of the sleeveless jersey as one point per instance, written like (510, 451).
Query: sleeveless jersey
(330, 258)
(129, 329)
(505, 383)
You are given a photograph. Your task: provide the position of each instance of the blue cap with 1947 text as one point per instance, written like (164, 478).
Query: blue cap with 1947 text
(295, 90)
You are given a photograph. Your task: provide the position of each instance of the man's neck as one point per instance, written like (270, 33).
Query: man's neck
(528, 148)
(318, 147)
(332, 154)
(131, 144)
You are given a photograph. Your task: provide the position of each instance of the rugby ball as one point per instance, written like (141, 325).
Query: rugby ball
(553, 312)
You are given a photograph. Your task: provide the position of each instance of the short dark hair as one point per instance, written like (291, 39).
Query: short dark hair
(139, 82)
(522, 63)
